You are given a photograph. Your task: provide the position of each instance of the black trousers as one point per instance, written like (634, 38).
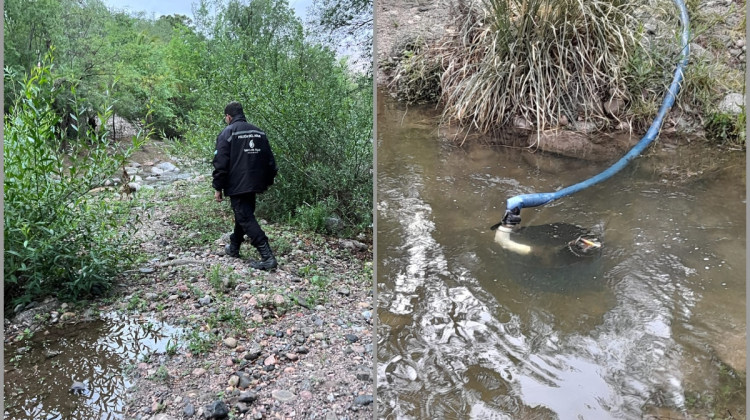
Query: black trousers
(244, 220)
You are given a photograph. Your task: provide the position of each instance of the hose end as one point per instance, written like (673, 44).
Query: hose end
(512, 217)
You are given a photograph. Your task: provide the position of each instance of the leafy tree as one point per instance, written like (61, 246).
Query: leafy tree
(316, 111)
(347, 25)
(28, 34)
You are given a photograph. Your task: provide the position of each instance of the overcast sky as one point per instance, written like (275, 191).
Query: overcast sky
(183, 7)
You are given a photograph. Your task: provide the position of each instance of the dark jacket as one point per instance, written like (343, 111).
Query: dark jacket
(243, 160)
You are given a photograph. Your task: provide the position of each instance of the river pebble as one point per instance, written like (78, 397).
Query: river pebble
(216, 410)
(732, 103)
(167, 167)
(188, 410)
(247, 397)
(78, 388)
(363, 373)
(245, 380)
(282, 395)
(363, 400)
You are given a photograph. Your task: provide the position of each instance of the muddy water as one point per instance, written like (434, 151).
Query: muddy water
(39, 372)
(470, 330)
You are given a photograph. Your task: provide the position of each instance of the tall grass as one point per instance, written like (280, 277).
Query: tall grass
(547, 61)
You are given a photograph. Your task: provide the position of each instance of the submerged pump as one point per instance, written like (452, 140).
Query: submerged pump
(549, 241)
(514, 205)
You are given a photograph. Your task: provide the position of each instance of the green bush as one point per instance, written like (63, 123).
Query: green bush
(313, 217)
(59, 238)
(726, 128)
(417, 76)
(316, 112)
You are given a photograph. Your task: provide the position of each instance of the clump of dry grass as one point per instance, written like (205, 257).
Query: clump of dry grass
(549, 62)
(416, 77)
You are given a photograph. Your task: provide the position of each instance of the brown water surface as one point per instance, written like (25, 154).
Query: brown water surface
(39, 372)
(470, 330)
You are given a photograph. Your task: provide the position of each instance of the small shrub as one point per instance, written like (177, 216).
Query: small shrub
(417, 75)
(171, 347)
(281, 245)
(161, 375)
(136, 303)
(313, 217)
(222, 278)
(319, 283)
(726, 128)
(199, 343)
(229, 317)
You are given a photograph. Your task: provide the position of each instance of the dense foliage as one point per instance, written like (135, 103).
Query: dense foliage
(175, 74)
(178, 72)
(59, 239)
(316, 112)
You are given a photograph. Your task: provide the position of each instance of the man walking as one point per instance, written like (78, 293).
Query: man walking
(243, 167)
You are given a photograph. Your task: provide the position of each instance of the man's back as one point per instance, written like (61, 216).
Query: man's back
(243, 161)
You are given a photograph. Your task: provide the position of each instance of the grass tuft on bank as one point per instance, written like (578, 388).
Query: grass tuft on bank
(543, 64)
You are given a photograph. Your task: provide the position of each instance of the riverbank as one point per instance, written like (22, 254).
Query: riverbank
(708, 108)
(293, 343)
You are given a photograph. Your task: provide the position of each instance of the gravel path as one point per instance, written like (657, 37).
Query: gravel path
(295, 343)
(261, 345)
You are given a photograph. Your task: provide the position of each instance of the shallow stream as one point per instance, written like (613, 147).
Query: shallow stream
(470, 330)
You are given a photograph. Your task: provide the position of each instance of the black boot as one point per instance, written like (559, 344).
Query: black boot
(267, 260)
(232, 249)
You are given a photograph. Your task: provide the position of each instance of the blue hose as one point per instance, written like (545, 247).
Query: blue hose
(515, 204)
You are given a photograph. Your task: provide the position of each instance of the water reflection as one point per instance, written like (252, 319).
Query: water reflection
(470, 329)
(39, 372)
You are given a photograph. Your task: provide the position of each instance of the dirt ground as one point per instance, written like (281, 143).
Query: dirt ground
(399, 21)
(293, 343)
